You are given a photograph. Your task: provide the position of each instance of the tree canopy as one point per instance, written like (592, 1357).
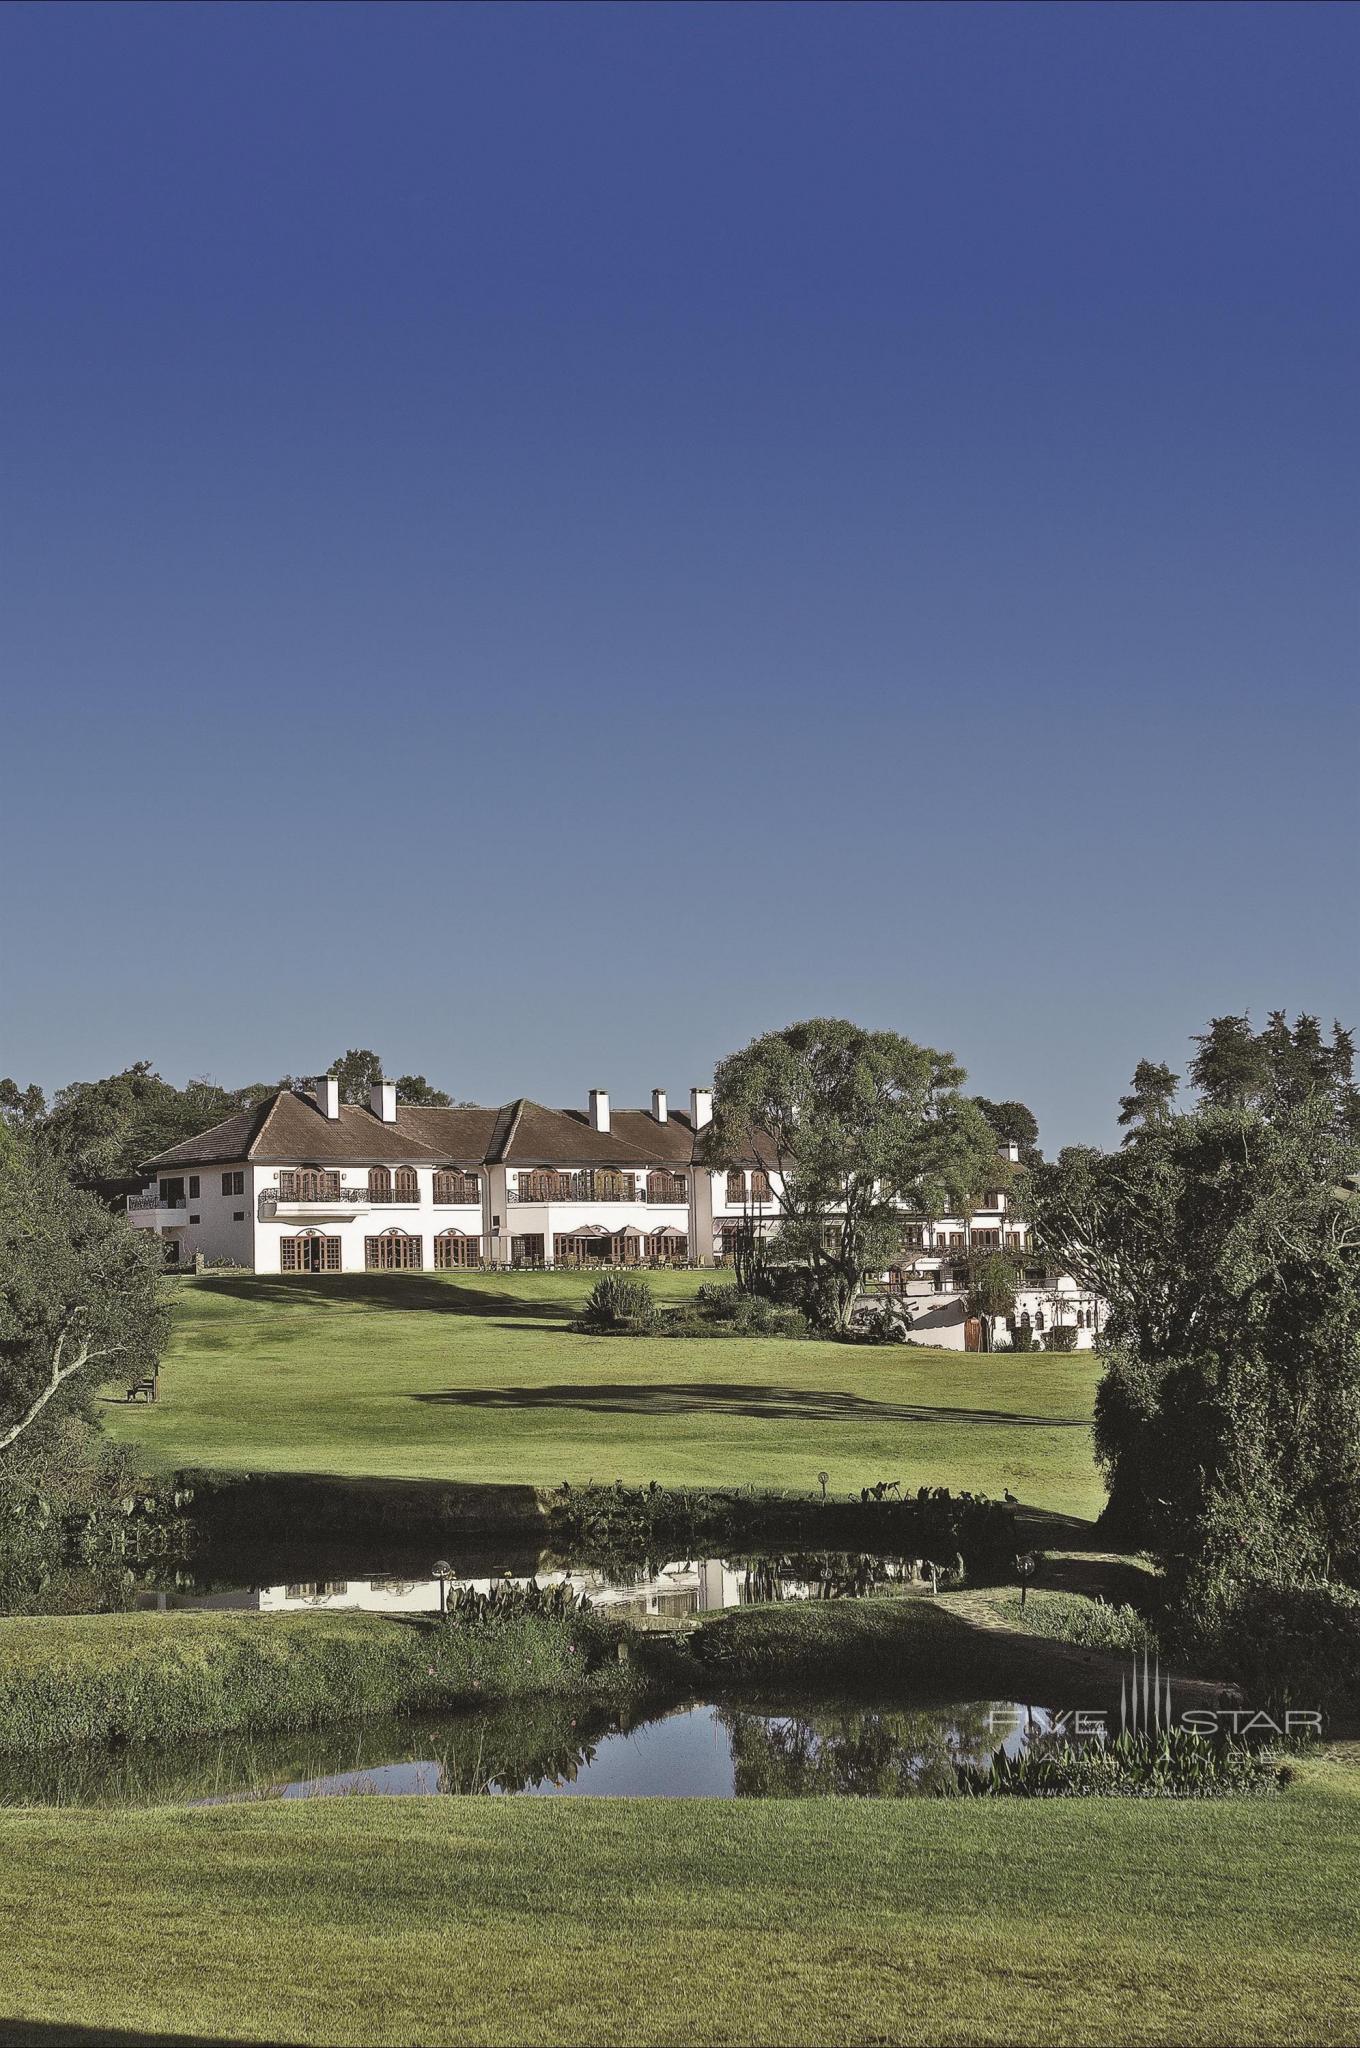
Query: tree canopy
(104, 1130)
(849, 1124)
(1013, 1123)
(1150, 1099)
(358, 1070)
(80, 1297)
(108, 1129)
(1225, 1239)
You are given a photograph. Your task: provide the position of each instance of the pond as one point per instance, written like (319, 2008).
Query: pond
(547, 1749)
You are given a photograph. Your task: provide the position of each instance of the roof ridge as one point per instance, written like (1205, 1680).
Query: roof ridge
(516, 1113)
(261, 1127)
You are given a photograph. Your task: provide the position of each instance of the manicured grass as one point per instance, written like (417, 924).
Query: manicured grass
(478, 1379)
(490, 1921)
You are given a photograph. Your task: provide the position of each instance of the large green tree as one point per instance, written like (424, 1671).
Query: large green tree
(106, 1129)
(80, 1298)
(849, 1124)
(1013, 1122)
(1225, 1240)
(358, 1070)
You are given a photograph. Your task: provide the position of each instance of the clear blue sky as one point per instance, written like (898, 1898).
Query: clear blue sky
(547, 541)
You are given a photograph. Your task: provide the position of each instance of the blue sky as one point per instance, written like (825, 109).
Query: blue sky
(548, 541)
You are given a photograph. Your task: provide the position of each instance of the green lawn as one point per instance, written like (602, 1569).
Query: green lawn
(479, 1379)
(479, 1921)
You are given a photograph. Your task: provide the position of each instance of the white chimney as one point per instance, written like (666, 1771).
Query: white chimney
(1009, 1149)
(700, 1107)
(382, 1100)
(599, 1110)
(659, 1104)
(328, 1096)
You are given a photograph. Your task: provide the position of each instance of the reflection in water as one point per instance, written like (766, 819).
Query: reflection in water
(549, 1749)
(681, 1587)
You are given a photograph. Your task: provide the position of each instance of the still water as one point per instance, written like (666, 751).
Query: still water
(547, 1749)
(666, 1591)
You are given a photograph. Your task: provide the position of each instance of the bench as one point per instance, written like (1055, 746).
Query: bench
(145, 1389)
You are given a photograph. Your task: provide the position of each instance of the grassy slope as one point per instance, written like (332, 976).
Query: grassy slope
(479, 1379)
(581, 1921)
(68, 1680)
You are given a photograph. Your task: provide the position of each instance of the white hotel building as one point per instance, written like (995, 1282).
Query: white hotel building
(307, 1184)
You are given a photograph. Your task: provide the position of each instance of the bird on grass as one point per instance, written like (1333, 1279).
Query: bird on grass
(1012, 1498)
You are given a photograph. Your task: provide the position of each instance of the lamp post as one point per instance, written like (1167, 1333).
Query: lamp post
(443, 1571)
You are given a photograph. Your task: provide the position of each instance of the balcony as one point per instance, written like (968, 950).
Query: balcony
(313, 1202)
(150, 1212)
(590, 1185)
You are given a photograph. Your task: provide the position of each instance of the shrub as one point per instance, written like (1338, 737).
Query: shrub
(719, 1310)
(1094, 1624)
(1022, 1338)
(1176, 1764)
(881, 1325)
(619, 1304)
(1301, 1642)
(1064, 1338)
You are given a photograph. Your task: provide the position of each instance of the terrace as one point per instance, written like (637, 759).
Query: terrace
(599, 1184)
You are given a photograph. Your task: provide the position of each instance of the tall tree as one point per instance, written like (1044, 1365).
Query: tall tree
(1013, 1123)
(991, 1291)
(21, 1109)
(359, 1069)
(1225, 1241)
(1150, 1098)
(79, 1295)
(415, 1088)
(106, 1129)
(1230, 1067)
(356, 1071)
(848, 1124)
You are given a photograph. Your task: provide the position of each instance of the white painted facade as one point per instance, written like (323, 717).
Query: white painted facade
(342, 1215)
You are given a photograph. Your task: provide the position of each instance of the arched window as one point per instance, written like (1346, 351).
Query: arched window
(394, 1251)
(407, 1187)
(379, 1184)
(309, 1252)
(454, 1249)
(736, 1185)
(452, 1187)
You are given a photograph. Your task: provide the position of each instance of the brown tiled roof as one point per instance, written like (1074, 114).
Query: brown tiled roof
(289, 1127)
(225, 1141)
(535, 1136)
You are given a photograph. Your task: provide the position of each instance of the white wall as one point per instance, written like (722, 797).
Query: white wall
(218, 1225)
(352, 1223)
